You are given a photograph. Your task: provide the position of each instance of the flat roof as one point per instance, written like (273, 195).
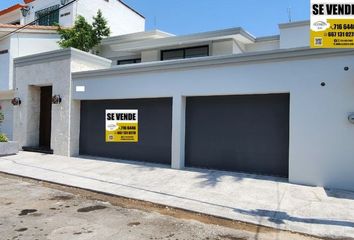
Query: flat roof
(272, 55)
(122, 43)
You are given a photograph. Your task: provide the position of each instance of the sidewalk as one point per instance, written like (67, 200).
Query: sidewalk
(260, 200)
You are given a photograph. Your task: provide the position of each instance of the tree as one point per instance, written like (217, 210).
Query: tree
(100, 28)
(83, 35)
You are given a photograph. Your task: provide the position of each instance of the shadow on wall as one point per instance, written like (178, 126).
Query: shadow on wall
(279, 217)
(340, 194)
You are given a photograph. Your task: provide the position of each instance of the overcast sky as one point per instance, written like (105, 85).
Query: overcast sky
(259, 17)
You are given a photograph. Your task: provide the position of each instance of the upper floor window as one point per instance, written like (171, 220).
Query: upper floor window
(48, 16)
(129, 61)
(190, 52)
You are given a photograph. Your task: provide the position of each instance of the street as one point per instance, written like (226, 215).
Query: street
(31, 210)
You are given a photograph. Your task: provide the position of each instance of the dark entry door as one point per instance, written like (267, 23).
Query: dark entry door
(248, 133)
(45, 122)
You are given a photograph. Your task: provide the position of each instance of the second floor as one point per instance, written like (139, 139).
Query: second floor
(157, 45)
(121, 18)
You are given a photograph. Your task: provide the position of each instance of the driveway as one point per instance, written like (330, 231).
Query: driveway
(258, 200)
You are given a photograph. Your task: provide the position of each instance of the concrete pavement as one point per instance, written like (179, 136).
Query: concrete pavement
(265, 201)
(31, 210)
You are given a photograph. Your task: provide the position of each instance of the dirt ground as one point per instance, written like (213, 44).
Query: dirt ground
(35, 210)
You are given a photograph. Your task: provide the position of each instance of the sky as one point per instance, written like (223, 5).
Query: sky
(259, 17)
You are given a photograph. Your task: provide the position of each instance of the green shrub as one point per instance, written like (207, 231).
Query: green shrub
(3, 138)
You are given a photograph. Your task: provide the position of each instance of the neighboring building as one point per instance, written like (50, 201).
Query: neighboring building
(121, 18)
(42, 37)
(33, 39)
(221, 100)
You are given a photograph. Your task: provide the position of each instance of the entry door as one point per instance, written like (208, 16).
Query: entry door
(45, 122)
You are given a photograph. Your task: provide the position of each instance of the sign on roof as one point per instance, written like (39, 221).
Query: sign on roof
(332, 24)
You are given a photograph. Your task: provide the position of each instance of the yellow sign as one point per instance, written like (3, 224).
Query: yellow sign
(122, 126)
(332, 24)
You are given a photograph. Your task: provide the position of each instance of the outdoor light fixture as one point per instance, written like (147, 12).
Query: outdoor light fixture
(25, 11)
(351, 118)
(16, 101)
(63, 2)
(56, 99)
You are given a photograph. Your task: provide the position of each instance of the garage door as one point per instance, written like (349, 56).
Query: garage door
(155, 127)
(248, 133)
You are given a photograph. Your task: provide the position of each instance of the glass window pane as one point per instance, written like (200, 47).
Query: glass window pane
(48, 16)
(197, 52)
(128, 61)
(172, 54)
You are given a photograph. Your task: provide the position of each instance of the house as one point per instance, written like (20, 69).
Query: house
(222, 100)
(122, 19)
(33, 39)
(41, 36)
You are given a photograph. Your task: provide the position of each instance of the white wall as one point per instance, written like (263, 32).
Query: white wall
(11, 17)
(296, 36)
(263, 46)
(321, 137)
(121, 19)
(226, 47)
(4, 71)
(4, 65)
(150, 55)
(23, 44)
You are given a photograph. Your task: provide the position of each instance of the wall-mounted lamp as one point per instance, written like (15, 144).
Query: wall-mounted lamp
(351, 118)
(16, 101)
(63, 2)
(56, 99)
(25, 11)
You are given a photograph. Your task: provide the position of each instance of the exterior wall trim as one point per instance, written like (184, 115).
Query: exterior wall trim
(268, 38)
(294, 24)
(274, 55)
(139, 36)
(59, 55)
(179, 40)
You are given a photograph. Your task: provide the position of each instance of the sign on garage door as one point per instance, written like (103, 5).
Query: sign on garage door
(122, 126)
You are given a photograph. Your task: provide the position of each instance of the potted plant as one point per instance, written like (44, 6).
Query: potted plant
(6, 147)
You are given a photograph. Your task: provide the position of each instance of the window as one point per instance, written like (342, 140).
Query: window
(48, 16)
(129, 61)
(181, 53)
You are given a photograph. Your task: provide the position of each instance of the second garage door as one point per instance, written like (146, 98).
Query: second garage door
(248, 133)
(155, 126)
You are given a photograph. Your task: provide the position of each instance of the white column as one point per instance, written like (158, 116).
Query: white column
(178, 131)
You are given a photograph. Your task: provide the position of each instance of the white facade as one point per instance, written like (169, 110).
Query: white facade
(51, 69)
(31, 40)
(320, 83)
(20, 44)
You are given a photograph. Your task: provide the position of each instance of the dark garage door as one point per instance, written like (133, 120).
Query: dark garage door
(155, 126)
(248, 133)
